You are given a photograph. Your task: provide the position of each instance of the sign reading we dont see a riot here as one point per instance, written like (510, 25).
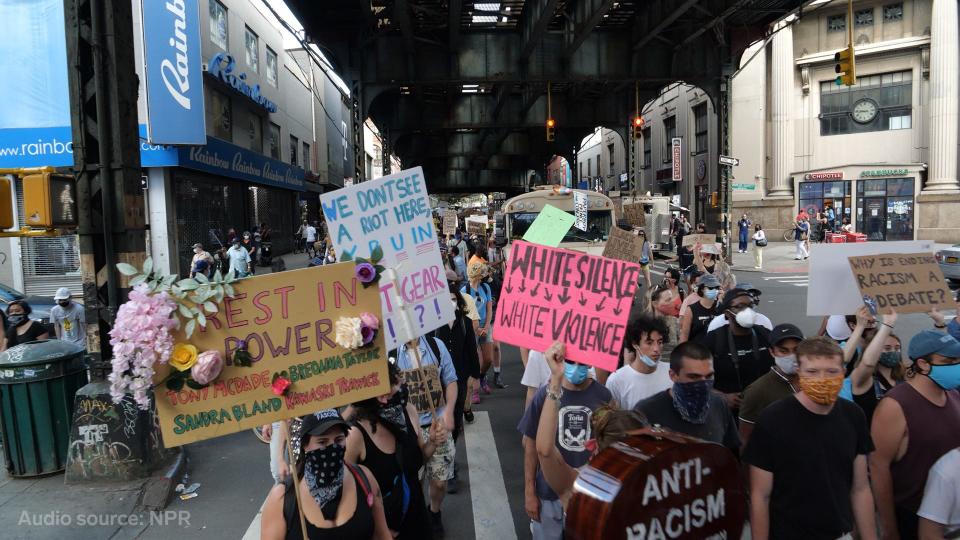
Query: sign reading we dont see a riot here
(901, 282)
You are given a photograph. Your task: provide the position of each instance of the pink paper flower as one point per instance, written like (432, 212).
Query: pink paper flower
(208, 367)
(280, 385)
(369, 320)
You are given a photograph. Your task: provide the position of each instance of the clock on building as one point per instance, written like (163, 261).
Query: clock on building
(864, 111)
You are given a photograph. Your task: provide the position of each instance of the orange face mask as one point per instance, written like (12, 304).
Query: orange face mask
(822, 390)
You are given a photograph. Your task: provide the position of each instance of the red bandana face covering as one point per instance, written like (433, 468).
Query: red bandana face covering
(822, 390)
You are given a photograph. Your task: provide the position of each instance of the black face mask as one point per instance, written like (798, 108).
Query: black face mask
(63, 303)
(17, 320)
(323, 473)
(394, 409)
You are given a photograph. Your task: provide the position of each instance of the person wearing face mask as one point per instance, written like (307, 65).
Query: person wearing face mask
(671, 282)
(743, 233)
(67, 319)
(880, 368)
(741, 348)
(808, 458)
(576, 397)
(386, 441)
(913, 426)
(239, 259)
(759, 318)
(643, 374)
(708, 260)
(22, 329)
(694, 321)
(780, 382)
(252, 248)
(664, 308)
(689, 405)
(199, 254)
(338, 500)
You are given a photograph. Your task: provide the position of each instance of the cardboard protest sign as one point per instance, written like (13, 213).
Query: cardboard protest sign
(623, 245)
(554, 294)
(832, 289)
(449, 222)
(901, 282)
(476, 225)
(634, 214)
(580, 210)
(703, 239)
(393, 212)
(287, 321)
(550, 226)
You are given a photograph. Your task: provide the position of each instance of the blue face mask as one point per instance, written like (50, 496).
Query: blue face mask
(711, 294)
(692, 400)
(946, 377)
(650, 362)
(575, 373)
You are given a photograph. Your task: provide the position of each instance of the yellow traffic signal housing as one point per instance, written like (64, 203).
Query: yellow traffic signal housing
(714, 199)
(49, 200)
(551, 126)
(7, 200)
(846, 67)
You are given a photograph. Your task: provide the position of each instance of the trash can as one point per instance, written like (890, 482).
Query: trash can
(38, 381)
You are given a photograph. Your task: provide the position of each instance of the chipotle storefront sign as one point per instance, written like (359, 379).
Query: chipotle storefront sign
(833, 175)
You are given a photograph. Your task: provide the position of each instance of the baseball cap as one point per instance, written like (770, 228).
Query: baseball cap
(62, 293)
(198, 245)
(930, 342)
(750, 289)
(321, 421)
(708, 280)
(837, 327)
(784, 331)
(710, 249)
(732, 295)
(452, 276)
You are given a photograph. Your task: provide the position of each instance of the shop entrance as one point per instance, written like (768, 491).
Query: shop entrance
(885, 208)
(818, 197)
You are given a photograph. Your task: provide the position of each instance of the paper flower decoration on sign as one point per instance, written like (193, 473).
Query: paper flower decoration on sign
(367, 271)
(356, 332)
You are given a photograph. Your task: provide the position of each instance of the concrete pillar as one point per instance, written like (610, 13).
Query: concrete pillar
(782, 89)
(944, 98)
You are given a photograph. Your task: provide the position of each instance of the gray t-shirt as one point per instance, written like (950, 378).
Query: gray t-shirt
(719, 426)
(573, 431)
(69, 321)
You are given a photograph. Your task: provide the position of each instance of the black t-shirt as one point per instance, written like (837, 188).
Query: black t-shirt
(811, 457)
(719, 426)
(735, 376)
(36, 330)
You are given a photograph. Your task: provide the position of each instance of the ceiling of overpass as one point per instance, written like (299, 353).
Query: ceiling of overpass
(461, 87)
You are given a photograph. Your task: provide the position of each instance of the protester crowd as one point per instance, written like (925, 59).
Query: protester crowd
(851, 433)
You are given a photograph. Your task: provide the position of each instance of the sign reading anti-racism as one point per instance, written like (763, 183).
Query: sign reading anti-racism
(393, 212)
(634, 214)
(287, 322)
(552, 294)
(449, 222)
(901, 282)
(623, 245)
(702, 239)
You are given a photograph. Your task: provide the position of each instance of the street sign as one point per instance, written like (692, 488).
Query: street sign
(676, 144)
(731, 161)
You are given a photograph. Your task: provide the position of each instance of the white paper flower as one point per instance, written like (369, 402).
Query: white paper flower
(348, 333)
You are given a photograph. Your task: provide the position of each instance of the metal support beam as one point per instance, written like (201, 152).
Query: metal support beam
(356, 114)
(453, 24)
(584, 28)
(723, 111)
(534, 24)
(401, 12)
(664, 23)
(717, 20)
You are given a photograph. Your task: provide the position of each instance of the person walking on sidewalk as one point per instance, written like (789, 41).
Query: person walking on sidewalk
(743, 227)
(800, 235)
(759, 242)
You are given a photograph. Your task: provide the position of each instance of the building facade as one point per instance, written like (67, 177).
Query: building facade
(882, 153)
(601, 161)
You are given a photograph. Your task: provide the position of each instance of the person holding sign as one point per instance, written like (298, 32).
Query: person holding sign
(695, 320)
(879, 369)
(808, 458)
(913, 426)
(331, 499)
(707, 259)
(482, 295)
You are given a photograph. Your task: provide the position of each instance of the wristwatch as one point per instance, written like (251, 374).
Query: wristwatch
(556, 397)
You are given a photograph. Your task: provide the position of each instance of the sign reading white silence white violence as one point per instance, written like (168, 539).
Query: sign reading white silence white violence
(393, 212)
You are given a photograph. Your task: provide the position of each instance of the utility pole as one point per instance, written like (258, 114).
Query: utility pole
(724, 188)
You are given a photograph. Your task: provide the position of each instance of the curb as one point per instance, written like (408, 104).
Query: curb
(158, 490)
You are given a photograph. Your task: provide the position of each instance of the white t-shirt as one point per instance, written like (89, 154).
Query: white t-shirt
(537, 372)
(941, 498)
(311, 233)
(629, 386)
(720, 321)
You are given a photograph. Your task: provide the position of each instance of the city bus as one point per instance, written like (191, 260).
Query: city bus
(521, 210)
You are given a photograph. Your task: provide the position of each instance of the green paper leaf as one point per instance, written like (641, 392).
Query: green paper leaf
(188, 284)
(195, 385)
(360, 260)
(274, 378)
(379, 268)
(148, 265)
(138, 280)
(202, 320)
(168, 281)
(201, 278)
(184, 311)
(127, 269)
(210, 307)
(217, 276)
(191, 326)
(377, 254)
(175, 384)
(228, 289)
(231, 276)
(346, 257)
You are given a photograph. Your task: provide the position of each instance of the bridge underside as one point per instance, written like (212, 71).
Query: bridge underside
(461, 87)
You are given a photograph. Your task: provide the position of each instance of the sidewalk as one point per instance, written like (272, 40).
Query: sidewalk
(778, 258)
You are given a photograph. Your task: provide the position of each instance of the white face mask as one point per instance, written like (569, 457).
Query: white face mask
(786, 364)
(746, 318)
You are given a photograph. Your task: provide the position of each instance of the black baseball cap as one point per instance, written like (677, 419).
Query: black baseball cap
(321, 421)
(732, 295)
(784, 331)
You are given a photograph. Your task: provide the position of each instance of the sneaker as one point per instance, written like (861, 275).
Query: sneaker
(498, 382)
(468, 416)
(452, 485)
(476, 397)
(436, 524)
(485, 387)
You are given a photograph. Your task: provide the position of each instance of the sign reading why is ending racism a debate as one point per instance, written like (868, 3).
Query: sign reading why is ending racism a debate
(393, 212)
(552, 294)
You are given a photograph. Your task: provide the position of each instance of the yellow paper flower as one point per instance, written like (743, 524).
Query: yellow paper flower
(184, 356)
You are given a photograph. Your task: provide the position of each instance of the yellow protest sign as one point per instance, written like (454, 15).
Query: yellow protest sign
(901, 282)
(287, 321)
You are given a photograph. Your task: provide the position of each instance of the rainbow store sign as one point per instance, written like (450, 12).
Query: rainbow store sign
(221, 66)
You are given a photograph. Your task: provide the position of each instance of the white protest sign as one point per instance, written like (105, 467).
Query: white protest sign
(393, 212)
(580, 210)
(832, 289)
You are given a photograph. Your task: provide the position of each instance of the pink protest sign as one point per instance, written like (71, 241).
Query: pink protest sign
(552, 294)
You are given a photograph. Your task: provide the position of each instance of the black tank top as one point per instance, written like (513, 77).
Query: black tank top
(386, 469)
(358, 527)
(700, 320)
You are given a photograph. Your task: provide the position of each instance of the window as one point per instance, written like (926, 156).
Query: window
(669, 132)
(876, 103)
(863, 17)
(647, 148)
(700, 127)
(221, 115)
(885, 208)
(306, 156)
(219, 32)
(589, 167)
(253, 49)
(271, 67)
(611, 155)
(837, 23)
(343, 139)
(893, 12)
(294, 143)
(274, 141)
(255, 130)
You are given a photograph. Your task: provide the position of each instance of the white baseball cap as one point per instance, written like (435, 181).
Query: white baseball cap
(63, 293)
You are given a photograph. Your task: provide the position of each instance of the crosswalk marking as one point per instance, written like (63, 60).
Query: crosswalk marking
(492, 519)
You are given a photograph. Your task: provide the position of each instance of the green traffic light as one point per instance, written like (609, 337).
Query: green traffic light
(839, 81)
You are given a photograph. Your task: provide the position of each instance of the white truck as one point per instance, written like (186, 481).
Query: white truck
(657, 217)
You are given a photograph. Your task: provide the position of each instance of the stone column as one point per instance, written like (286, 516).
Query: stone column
(782, 98)
(944, 98)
